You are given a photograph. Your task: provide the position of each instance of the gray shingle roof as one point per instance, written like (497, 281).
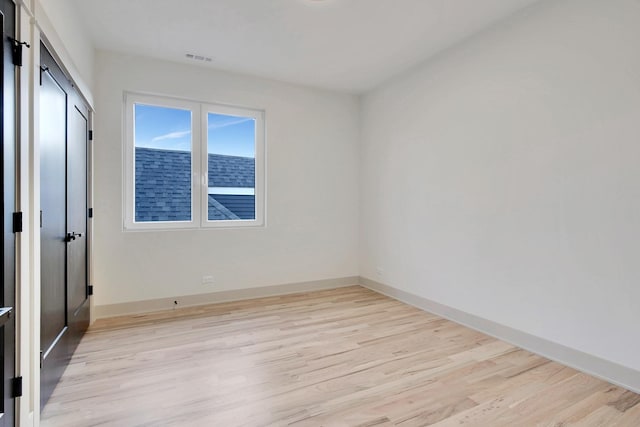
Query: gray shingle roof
(231, 171)
(163, 185)
(243, 206)
(218, 211)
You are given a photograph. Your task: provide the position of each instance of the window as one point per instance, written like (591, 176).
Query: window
(190, 164)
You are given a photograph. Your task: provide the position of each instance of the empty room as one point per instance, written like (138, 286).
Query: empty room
(320, 213)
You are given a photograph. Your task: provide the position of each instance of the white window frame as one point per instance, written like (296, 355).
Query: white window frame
(199, 163)
(258, 116)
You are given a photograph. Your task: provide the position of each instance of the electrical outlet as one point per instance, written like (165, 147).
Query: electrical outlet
(207, 280)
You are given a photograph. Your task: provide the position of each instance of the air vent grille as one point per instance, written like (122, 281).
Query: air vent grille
(197, 57)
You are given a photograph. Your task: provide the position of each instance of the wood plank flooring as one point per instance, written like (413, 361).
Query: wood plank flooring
(344, 357)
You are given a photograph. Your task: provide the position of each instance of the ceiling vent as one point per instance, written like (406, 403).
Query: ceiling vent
(200, 58)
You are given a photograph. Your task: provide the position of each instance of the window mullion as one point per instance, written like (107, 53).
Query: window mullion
(204, 164)
(196, 164)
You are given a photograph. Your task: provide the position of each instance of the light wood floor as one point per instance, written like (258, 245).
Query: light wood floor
(346, 357)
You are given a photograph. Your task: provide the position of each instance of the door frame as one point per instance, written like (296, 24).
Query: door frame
(9, 177)
(32, 26)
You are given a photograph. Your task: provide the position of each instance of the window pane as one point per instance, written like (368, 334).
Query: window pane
(162, 139)
(231, 149)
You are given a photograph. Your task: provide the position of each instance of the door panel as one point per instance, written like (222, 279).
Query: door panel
(8, 183)
(53, 112)
(77, 210)
(64, 303)
(53, 106)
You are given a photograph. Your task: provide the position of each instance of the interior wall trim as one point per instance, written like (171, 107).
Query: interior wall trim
(587, 363)
(161, 304)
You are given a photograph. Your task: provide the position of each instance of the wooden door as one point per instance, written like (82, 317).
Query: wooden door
(8, 179)
(63, 189)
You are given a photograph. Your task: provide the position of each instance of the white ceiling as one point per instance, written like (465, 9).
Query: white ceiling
(345, 45)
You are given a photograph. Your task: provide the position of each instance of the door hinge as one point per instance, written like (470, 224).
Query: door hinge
(16, 387)
(90, 213)
(43, 69)
(17, 51)
(90, 290)
(90, 135)
(41, 359)
(17, 222)
(40, 219)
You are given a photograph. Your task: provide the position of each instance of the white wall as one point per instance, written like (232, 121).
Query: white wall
(312, 189)
(502, 177)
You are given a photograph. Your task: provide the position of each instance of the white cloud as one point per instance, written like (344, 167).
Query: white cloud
(229, 123)
(172, 135)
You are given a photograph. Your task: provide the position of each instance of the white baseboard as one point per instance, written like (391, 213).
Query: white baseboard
(160, 304)
(587, 363)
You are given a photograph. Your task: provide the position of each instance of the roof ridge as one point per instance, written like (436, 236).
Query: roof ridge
(188, 152)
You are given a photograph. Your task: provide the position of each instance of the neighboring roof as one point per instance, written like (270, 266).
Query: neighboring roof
(218, 211)
(243, 206)
(231, 171)
(163, 185)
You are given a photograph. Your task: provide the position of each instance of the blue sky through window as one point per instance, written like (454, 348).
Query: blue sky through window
(162, 127)
(231, 135)
(170, 129)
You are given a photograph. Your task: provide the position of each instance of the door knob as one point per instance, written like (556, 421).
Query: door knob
(72, 236)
